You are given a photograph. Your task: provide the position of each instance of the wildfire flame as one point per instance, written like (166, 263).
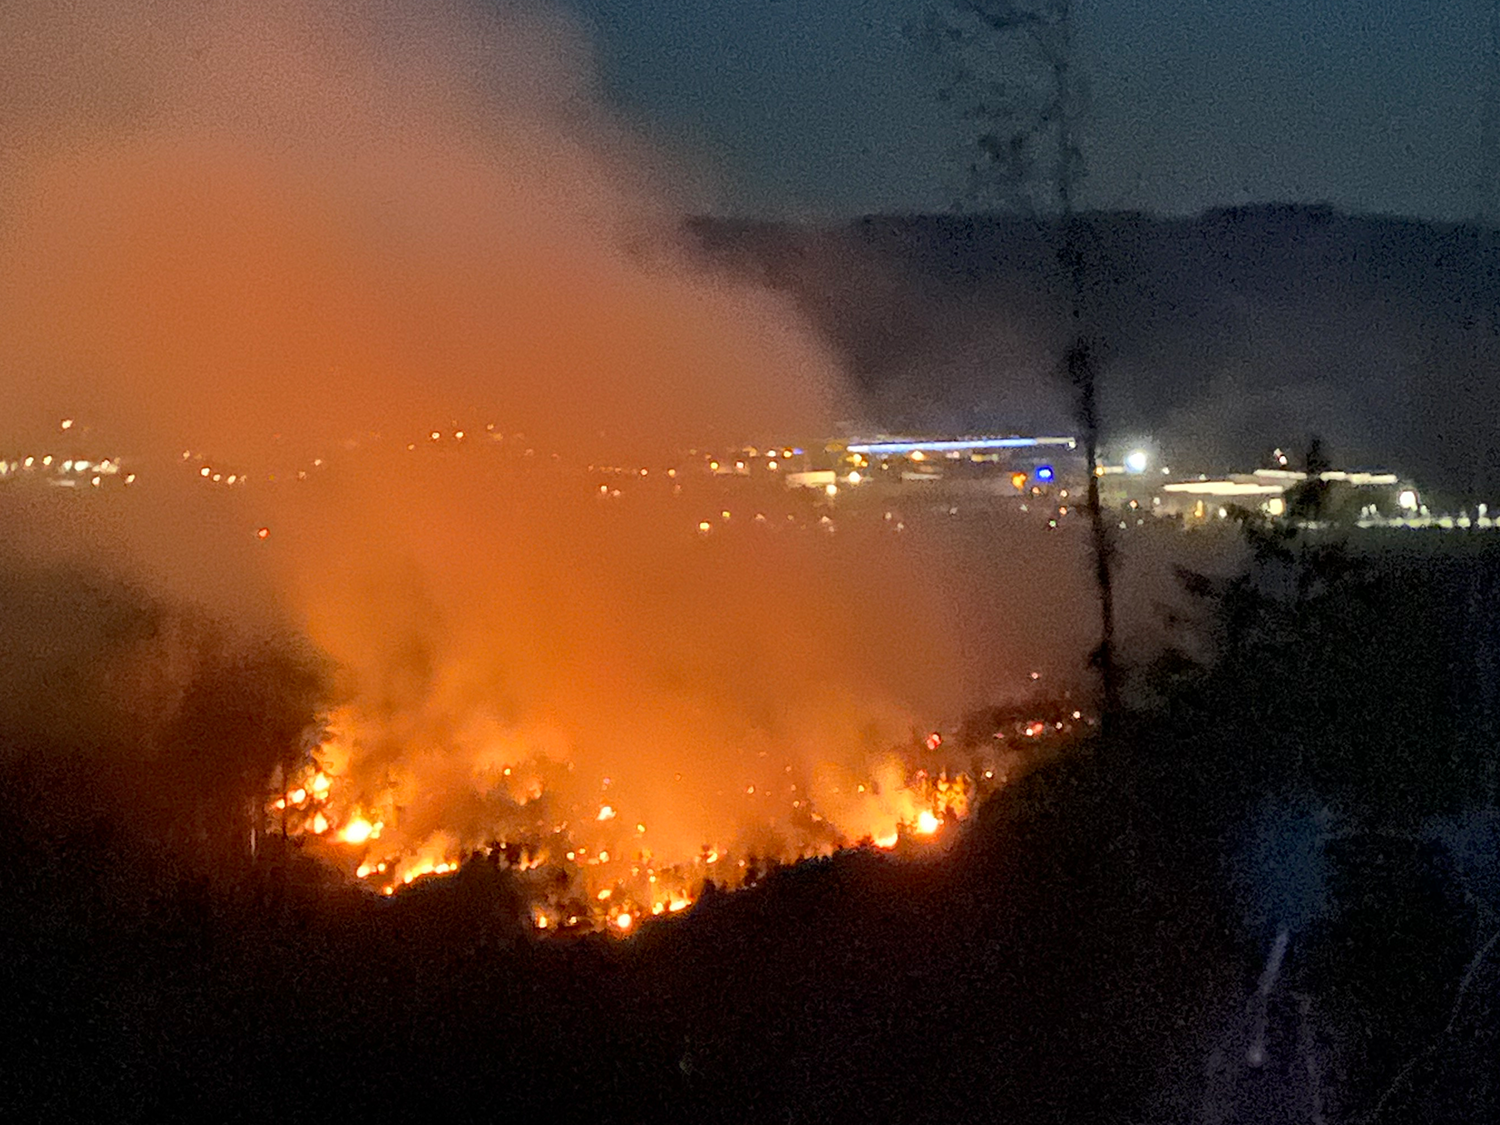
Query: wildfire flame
(598, 867)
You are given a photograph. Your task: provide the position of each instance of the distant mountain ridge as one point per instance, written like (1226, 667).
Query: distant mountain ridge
(1224, 333)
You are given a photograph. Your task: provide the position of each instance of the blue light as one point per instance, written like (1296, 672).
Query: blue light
(1044, 473)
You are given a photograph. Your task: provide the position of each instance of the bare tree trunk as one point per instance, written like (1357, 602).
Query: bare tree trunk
(1081, 373)
(1082, 361)
(1039, 105)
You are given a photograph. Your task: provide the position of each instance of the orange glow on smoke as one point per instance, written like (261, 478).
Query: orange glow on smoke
(402, 284)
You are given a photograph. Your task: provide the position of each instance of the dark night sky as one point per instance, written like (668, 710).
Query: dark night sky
(821, 108)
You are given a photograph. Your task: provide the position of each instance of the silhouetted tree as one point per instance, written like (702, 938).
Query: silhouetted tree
(242, 718)
(1011, 65)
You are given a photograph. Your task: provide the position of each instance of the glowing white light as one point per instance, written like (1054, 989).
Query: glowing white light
(1407, 500)
(897, 448)
(1136, 460)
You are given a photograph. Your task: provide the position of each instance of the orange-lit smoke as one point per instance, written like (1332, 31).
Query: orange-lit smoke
(288, 241)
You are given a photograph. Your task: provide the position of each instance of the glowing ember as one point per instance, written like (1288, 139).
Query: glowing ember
(357, 831)
(580, 864)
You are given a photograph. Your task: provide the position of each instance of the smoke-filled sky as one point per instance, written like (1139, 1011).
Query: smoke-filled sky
(303, 236)
(825, 109)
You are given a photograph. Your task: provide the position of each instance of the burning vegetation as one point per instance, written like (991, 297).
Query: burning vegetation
(310, 261)
(590, 863)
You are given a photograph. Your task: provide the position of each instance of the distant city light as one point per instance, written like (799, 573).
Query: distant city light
(903, 447)
(1135, 461)
(1407, 500)
(1044, 473)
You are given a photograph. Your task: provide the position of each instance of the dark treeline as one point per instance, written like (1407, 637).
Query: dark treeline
(1268, 899)
(121, 710)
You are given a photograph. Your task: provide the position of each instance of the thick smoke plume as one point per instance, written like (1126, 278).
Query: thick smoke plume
(306, 246)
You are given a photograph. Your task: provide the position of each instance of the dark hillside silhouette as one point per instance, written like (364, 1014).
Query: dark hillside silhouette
(1095, 948)
(1221, 328)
